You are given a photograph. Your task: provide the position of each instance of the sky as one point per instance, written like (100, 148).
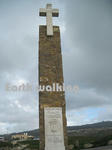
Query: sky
(86, 35)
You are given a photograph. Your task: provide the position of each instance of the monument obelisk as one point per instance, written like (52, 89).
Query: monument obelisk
(52, 106)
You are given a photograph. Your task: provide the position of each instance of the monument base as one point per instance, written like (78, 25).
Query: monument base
(54, 137)
(55, 148)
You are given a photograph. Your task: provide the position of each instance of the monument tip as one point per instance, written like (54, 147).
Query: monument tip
(49, 12)
(48, 5)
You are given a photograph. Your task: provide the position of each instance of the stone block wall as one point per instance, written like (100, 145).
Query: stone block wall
(50, 71)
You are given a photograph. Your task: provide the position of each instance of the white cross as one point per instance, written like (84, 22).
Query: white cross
(49, 13)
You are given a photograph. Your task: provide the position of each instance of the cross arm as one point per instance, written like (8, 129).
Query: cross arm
(55, 12)
(42, 12)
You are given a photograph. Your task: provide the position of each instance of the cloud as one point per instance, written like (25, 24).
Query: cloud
(86, 98)
(86, 37)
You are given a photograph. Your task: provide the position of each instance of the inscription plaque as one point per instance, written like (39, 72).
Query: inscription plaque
(54, 138)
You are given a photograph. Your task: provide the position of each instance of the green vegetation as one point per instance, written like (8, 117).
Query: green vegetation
(30, 144)
(6, 144)
(77, 141)
(97, 141)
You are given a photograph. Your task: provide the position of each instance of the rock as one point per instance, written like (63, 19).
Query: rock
(110, 142)
(89, 145)
(70, 147)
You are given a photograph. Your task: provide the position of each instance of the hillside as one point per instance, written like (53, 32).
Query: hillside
(85, 136)
(101, 126)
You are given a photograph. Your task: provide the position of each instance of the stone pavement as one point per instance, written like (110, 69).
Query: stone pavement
(101, 148)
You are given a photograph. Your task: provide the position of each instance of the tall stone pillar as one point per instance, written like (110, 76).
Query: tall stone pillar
(52, 106)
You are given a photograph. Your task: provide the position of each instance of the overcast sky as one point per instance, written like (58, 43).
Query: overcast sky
(86, 41)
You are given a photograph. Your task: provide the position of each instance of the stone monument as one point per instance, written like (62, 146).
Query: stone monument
(52, 106)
